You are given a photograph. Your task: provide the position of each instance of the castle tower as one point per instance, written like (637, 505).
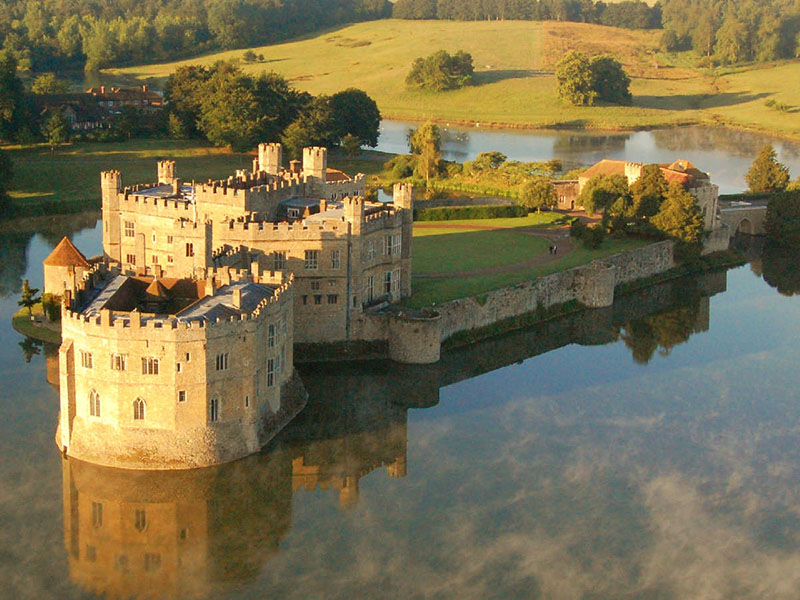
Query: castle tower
(166, 171)
(270, 158)
(403, 195)
(354, 214)
(315, 167)
(633, 170)
(110, 187)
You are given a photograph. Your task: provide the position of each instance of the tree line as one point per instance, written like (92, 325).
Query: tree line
(230, 108)
(733, 32)
(630, 14)
(75, 34)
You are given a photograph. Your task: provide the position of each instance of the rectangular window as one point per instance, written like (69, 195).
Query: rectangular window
(170, 259)
(369, 289)
(294, 213)
(393, 245)
(154, 237)
(258, 383)
(118, 362)
(335, 259)
(395, 289)
(271, 336)
(270, 372)
(130, 229)
(312, 259)
(149, 366)
(305, 299)
(371, 250)
(278, 261)
(155, 259)
(188, 357)
(130, 259)
(97, 514)
(317, 298)
(189, 249)
(181, 395)
(315, 285)
(169, 239)
(247, 401)
(222, 361)
(387, 282)
(178, 367)
(86, 359)
(333, 299)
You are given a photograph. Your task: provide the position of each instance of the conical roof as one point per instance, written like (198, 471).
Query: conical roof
(66, 255)
(157, 290)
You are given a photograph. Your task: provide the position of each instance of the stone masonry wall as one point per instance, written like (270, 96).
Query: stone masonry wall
(590, 284)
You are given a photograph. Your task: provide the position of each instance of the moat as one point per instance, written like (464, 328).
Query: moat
(647, 450)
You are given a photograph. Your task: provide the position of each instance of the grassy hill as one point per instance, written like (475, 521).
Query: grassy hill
(515, 85)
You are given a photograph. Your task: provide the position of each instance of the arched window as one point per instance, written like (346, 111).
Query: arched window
(139, 408)
(140, 521)
(213, 409)
(94, 404)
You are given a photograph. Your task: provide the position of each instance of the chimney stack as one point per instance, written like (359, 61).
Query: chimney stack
(237, 298)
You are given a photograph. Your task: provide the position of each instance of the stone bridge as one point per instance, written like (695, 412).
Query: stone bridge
(743, 217)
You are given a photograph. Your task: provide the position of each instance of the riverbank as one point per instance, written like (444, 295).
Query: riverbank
(36, 325)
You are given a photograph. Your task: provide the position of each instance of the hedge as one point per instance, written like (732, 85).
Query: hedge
(483, 211)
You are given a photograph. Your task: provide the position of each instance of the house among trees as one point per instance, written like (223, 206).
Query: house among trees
(114, 98)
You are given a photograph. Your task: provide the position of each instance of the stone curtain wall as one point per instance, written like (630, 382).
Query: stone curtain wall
(592, 285)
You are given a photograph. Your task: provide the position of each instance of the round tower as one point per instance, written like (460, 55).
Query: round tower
(270, 158)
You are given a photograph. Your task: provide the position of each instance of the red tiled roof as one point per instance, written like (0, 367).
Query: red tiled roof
(337, 175)
(66, 255)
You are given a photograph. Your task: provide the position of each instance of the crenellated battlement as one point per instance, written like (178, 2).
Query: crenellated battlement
(266, 231)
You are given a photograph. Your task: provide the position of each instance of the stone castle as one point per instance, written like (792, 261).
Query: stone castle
(177, 343)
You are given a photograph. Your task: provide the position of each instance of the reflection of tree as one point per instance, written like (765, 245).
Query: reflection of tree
(732, 141)
(30, 348)
(566, 144)
(662, 331)
(780, 267)
(12, 261)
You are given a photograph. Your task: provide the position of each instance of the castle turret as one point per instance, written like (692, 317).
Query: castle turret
(633, 170)
(166, 171)
(315, 167)
(110, 187)
(269, 158)
(354, 214)
(403, 195)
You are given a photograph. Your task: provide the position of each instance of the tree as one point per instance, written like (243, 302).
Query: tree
(609, 80)
(48, 83)
(538, 193)
(440, 71)
(6, 174)
(128, 121)
(425, 144)
(782, 223)
(603, 191)
(11, 97)
(355, 113)
(229, 112)
(648, 192)
(680, 219)
(414, 9)
(575, 79)
(314, 127)
(249, 56)
(29, 298)
(767, 175)
(351, 145)
(183, 93)
(56, 129)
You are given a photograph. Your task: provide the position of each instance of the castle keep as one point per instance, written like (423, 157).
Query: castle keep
(346, 253)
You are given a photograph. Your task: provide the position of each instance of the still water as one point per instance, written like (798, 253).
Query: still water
(724, 153)
(651, 450)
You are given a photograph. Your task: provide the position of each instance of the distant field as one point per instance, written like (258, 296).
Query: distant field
(514, 62)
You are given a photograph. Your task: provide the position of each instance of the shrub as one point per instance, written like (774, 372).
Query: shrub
(453, 213)
(51, 304)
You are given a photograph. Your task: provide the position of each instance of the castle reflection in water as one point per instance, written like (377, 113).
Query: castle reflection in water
(196, 534)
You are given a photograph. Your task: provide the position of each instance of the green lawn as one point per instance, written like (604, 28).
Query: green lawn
(68, 180)
(429, 228)
(21, 321)
(474, 250)
(430, 291)
(514, 62)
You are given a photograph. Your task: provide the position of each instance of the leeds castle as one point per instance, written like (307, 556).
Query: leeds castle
(177, 343)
